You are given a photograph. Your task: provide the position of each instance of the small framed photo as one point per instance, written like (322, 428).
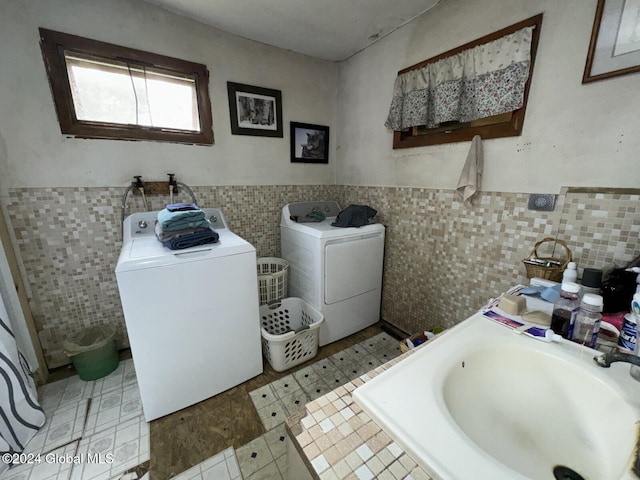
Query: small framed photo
(309, 143)
(255, 110)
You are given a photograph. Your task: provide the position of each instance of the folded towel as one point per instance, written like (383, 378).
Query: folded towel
(471, 176)
(181, 219)
(354, 216)
(180, 207)
(165, 236)
(193, 240)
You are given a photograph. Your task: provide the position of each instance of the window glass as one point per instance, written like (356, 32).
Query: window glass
(102, 90)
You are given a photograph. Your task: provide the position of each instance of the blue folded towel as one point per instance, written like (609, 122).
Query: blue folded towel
(171, 234)
(180, 207)
(192, 239)
(181, 219)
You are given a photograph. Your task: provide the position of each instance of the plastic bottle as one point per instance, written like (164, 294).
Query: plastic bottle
(635, 311)
(591, 281)
(565, 309)
(588, 319)
(570, 273)
(628, 334)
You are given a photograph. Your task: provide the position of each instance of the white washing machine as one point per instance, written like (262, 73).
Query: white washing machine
(337, 270)
(191, 315)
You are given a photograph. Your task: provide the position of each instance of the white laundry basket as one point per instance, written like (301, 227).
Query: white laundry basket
(272, 279)
(289, 332)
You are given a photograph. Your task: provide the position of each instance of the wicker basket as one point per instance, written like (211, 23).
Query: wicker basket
(549, 268)
(272, 279)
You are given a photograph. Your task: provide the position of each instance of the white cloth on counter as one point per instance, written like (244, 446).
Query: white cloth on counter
(471, 176)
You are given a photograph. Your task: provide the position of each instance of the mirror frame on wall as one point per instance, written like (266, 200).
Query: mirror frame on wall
(506, 125)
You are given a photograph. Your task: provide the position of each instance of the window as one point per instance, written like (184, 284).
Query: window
(462, 93)
(102, 90)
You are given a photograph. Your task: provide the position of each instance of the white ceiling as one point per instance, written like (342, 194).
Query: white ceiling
(326, 29)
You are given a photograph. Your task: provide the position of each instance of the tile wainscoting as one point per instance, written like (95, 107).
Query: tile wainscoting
(443, 258)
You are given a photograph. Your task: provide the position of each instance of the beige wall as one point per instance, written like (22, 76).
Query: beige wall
(574, 134)
(33, 153)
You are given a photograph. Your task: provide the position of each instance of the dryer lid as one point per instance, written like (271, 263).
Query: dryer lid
(325, 230)
(322, 229)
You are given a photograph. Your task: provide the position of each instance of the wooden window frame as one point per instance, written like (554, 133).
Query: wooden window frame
(512, 128)
(54, 44)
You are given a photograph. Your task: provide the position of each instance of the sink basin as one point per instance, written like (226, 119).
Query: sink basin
(482, 402)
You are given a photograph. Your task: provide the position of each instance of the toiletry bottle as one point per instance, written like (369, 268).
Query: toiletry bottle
(565, 309)
(635, 311)
(588, 319)
(570, 274)
(628, 333)
(591, 281)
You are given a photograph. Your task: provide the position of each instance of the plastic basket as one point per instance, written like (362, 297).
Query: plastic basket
(289, 332)
(272, 279)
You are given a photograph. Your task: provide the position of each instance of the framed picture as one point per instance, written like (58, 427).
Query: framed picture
(309, 143)
(615, 40)
(255, 110)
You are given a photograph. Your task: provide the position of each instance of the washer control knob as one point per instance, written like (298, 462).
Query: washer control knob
(142, 224)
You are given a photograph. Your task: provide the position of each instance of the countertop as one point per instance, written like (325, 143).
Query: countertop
(336, 439)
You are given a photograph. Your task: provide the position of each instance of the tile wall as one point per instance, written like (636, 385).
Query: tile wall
(443, 259)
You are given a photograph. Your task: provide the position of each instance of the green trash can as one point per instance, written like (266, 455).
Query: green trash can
(93, 352)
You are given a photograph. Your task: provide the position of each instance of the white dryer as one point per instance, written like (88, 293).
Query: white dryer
(337, 270)
(191, 315)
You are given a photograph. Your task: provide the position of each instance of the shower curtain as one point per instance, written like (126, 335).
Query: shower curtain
(20, 414)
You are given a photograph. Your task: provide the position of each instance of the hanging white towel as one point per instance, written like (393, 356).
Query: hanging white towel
(471, 176)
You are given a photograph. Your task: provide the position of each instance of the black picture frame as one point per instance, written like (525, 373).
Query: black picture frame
(309, 143)
(255, 111)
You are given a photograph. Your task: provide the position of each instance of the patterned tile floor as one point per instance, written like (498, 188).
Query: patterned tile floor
(101, 419)
(237, 434)
(265, 457)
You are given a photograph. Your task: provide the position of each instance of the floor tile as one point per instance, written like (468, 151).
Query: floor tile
(223, 466)
(273, 415)
(263, 396)
(269, 472)
(112, 408)
(119, 448)
(295, 402)
(282, 463)
(254, 456)
(62, 392)
(316, 389)
(306, 376)
(285, 386)
(53, 466)
(122, 376)
(63, 426)
(276, 441)
(336, 378)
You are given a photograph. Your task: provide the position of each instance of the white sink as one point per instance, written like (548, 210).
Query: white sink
(481, 402)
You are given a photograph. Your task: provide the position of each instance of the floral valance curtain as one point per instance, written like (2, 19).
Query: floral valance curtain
(479, 82)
